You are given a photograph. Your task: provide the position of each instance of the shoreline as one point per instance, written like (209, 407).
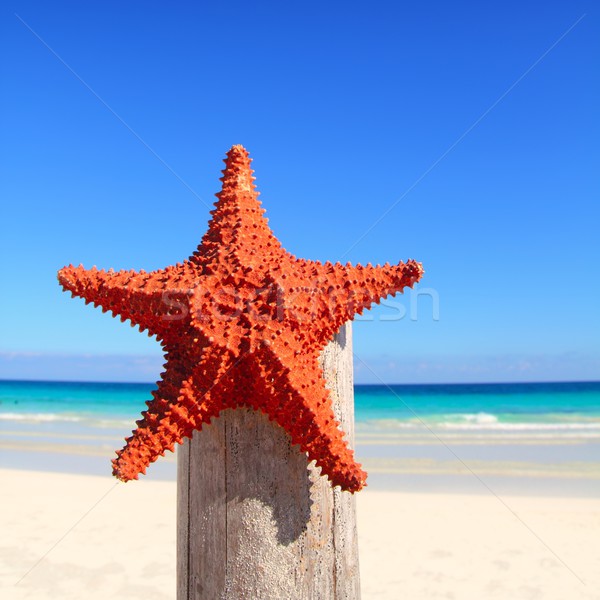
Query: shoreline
(411, 476)
(561, 466)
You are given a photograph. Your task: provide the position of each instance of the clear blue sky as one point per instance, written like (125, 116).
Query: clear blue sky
(462, 134)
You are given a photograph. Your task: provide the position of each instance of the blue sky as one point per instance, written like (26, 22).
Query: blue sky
(464, 135)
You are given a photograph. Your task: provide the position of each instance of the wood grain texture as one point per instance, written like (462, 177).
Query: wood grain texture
(255, 519)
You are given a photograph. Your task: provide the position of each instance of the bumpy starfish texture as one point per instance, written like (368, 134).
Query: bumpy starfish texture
(242, 323)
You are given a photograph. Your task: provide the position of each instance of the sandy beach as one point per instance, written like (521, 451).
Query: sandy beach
(72, 536)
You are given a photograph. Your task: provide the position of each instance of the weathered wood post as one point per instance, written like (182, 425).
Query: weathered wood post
(255, 520)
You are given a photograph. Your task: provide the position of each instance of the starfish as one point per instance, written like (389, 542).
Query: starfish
(242, 323)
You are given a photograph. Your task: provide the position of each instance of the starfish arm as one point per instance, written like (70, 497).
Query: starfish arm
(297, 399)
(238, 224)
(181, 403)
(347, 290)
(141, 297)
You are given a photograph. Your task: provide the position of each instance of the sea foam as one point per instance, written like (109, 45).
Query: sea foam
(38, 417)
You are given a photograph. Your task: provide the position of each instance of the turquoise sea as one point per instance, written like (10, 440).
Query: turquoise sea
(542, 434)
(501, 407)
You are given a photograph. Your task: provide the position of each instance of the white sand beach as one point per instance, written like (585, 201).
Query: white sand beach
(79, 536)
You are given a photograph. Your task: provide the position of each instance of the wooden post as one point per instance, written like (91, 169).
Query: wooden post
(254, 519)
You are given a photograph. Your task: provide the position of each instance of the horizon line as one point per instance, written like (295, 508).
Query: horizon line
(384, 384)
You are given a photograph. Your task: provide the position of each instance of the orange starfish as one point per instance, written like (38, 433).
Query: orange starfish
(242, 323)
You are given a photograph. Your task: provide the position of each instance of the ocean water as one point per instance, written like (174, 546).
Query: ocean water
(516, 407)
